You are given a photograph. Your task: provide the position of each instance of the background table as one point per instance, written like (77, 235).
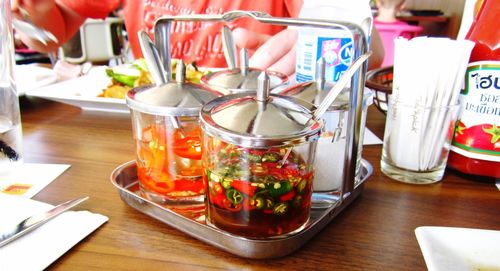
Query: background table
(376, 232)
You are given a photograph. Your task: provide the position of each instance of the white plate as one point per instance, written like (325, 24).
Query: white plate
(82, 92)
(30, 77)
(458, 249)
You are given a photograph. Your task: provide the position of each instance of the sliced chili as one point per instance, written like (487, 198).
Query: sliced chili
(218, 188)
(234, 196)
(228, 205)
(244, 187)
(280, 208)
(288, 196)
(277, 189)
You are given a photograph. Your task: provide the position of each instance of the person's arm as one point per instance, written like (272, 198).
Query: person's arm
(277, 52)
(50, 15)
(377, 48)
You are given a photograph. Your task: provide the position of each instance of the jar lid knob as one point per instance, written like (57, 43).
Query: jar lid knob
(180, 72)
(244, 61)
(320, 74)
(263, 87)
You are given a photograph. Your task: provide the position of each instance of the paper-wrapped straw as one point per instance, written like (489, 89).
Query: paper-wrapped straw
(428, 73)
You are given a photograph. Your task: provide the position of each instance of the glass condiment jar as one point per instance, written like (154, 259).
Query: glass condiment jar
(258, 159)
(329, 173)
(241, 79)
(165, 123)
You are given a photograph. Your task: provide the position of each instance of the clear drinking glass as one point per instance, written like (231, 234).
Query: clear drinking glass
(11, 149)
(417, 141)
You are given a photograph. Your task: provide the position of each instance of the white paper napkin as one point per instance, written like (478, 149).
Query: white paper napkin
(446, 248)
(370, 138)
(39, 248)
(30, 178)
(29, 77)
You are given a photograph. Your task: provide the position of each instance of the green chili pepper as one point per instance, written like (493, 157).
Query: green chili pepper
(126, 79)
(212, 177)
(263, 201)
(280, 208)
(268, 203)
(234, 196)
(270, 157)
(301, 186)
(254, 158)
(259, 203)
(277, 189)
(270, 179)
(226, 183)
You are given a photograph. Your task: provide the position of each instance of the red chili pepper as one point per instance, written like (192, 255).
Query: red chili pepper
(308, 176)
(293, 172)
(188, 147)
(275, 170)
(218, 188)
(228, 205)
(257, 152)
(218, 200)
(187, 185)
(288, 196)
(244, 187)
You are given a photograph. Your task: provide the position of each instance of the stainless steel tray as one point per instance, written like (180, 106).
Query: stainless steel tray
(192, 220)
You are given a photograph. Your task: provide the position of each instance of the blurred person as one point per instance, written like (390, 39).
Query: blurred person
(388, 9)
(198, 42)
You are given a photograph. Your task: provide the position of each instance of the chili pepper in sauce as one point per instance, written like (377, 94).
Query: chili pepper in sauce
(281, 208)
(217, 187)
(234, 196)
(270, 157)
(248, 204)
(244, 187)
(228, 205)
(278, 188)
(288, 196)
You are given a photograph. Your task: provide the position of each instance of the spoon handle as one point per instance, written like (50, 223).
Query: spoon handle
(152, 57)
(229, 47)
(335, 91)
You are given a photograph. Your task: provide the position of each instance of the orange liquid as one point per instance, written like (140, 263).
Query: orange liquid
(169, 163)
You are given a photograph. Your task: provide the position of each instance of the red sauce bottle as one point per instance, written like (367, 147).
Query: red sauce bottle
(476, 145)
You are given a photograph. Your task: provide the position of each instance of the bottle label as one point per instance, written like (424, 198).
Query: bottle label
(336, 50)
(477, 133)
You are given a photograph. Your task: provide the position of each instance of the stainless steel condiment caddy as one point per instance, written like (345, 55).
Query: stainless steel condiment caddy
(325, 205)
(191, 219)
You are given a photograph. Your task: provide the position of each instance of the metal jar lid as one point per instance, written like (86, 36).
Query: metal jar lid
(170, 99)
(309, 92)
(258, 119)
(315, 91)
(241, 79)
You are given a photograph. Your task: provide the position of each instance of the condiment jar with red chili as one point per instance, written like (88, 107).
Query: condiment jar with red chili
(258, 160)
(476, 143)
(167, 136)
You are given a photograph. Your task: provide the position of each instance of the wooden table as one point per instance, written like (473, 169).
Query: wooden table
(376, 232)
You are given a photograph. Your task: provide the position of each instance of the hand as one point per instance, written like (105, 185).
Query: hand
(275, 53)
(38, 12)
(23, 8)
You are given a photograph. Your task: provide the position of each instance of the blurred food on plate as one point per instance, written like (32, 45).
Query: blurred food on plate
(128, 76)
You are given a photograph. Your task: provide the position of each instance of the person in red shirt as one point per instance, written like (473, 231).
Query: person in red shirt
(198, 42)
